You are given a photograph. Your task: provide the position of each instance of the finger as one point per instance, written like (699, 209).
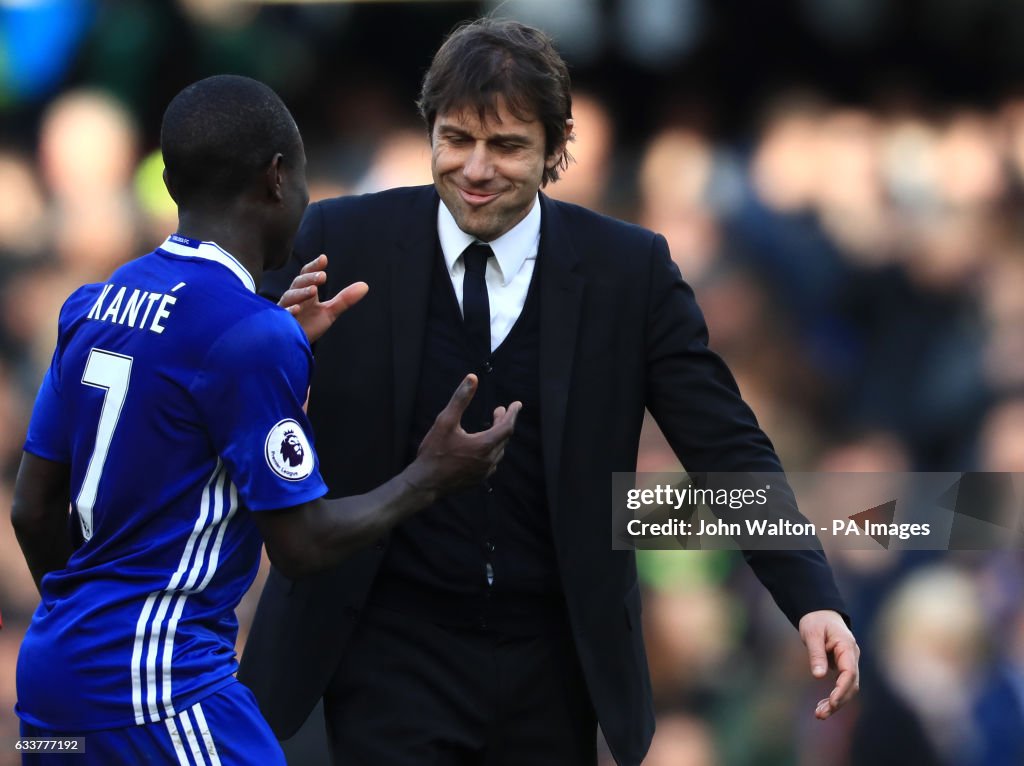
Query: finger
(506, 424)
(317, 264)
(347, 298)
(498, 413)
(816, 653)
(305, 280)
(451, 415)
(295, 297)
(502, 428)
(848, 681)
(823, 709)
(844, 690)
(842, 693)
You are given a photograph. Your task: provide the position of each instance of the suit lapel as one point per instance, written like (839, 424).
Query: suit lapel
(561, 299)
(411, 266)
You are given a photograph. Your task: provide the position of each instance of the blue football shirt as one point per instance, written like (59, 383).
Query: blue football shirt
(175, 393)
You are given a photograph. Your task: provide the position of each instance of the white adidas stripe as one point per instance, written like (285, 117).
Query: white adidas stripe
(170, 592)
(179, 748)
(190, 736)
(140, 632)
(215, 553)
(220, 522)
(204, 732)
(143, 627)
(181, 595)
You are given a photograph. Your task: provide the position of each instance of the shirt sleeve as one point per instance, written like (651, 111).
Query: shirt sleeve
(48, 436)
(250, 392)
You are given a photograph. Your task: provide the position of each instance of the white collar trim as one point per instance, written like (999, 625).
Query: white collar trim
(211, 251)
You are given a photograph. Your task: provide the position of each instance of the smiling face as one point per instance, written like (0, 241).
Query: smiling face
(488, 172)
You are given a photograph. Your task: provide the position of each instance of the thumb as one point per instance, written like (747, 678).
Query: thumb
(452, 413)
(347, 298)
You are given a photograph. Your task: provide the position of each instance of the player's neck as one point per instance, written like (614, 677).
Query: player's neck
(243, 242)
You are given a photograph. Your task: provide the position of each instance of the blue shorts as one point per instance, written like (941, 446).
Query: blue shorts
(224, 729)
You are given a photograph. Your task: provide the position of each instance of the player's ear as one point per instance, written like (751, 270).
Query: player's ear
(275, 178)
(169, 186)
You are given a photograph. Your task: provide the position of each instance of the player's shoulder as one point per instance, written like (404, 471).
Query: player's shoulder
(261, 335)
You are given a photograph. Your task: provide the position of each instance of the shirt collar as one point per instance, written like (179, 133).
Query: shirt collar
(176, 244)
(511, 249)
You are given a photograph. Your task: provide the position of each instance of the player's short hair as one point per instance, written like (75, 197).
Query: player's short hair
(219, 133)
(491, 57)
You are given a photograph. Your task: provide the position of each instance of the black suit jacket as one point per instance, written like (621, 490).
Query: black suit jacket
(620, 331)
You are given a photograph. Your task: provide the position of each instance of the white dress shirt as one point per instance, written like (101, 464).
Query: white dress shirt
(508, 273)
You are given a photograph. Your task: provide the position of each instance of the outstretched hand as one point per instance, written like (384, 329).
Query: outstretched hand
(449, 457)
(831, 644)
(302, 301)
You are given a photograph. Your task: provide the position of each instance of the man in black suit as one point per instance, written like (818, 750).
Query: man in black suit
(499, 627)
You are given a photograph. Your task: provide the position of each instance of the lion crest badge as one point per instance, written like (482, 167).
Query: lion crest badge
(288, 452)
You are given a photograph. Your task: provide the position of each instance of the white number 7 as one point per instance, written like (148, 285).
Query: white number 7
(111, 372)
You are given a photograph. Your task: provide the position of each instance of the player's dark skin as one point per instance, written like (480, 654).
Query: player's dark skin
(258, 227)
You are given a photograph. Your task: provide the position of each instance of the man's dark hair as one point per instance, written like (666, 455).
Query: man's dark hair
(487, 58)
(218, 134)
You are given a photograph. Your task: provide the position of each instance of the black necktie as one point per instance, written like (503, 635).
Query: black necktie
(476, 312)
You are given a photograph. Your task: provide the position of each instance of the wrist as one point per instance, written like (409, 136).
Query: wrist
(420, 483)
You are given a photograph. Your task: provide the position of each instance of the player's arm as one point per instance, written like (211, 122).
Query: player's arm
(318, 534)
(39, 513)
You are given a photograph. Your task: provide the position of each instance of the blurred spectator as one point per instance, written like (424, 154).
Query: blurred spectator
(1002, 437)
(848, 192)
(402, 159)
(585, 182)
(88, 147)
(969, 169)
(682, 740)
(690, 631)
(931, 643)
(22, 228)
(675, 180)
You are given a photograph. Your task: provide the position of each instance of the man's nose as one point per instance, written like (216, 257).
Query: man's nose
(479, 166)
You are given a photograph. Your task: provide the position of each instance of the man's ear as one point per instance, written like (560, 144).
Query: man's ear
(275, 178)
(559, 152)
(169, 187)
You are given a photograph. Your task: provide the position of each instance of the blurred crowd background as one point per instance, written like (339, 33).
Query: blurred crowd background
(841, 182)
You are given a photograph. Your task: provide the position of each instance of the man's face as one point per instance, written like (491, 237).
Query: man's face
(488, 173)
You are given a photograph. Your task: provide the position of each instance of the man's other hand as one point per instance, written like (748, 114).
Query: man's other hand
(302, 301)
(831, 644)
(449, 457)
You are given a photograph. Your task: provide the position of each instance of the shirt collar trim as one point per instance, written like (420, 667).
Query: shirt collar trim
(211, 251)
